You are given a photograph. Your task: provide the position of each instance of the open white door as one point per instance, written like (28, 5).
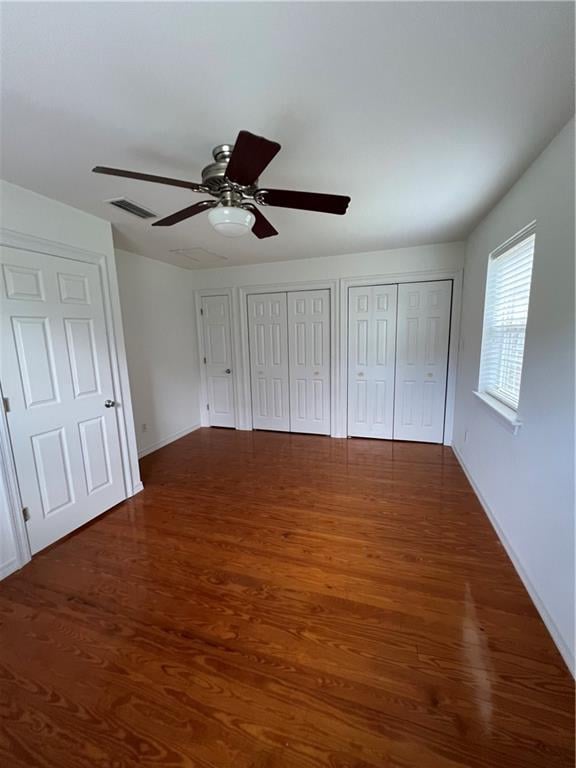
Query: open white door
(371, 357)
(422, 360)
(218, 360)
(55, 368)
(309, 361)
(268, 338)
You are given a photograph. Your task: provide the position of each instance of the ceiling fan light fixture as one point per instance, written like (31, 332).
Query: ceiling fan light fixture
(232, 179)
(231, 221)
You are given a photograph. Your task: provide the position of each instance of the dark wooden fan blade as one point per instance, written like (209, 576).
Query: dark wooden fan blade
(250, 156)
(148, 177)
(262, 227)
(304, 201)
(186, 213)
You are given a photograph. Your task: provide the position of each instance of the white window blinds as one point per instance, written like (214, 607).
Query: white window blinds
(505, 316)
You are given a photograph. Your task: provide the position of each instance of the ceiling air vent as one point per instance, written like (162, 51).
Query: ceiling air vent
(197, 254)
(130, 207)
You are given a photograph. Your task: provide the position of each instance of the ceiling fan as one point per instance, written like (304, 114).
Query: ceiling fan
(232, 179)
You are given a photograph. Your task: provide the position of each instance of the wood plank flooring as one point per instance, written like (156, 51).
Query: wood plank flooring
(282, 601)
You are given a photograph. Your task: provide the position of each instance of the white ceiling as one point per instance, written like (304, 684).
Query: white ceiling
(424, 113)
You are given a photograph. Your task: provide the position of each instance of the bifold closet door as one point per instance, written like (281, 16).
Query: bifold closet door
(422, 360)
(309, 361)
(268, 339)
(371, 357)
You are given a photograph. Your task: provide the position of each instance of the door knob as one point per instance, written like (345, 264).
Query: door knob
(360, 374)
(227, 370)
(109, 403)
(316, 373)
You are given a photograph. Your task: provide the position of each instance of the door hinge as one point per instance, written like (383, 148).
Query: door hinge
(201, 311)
(207, 406)
(6, 403)
(25, 514)
(204, 361)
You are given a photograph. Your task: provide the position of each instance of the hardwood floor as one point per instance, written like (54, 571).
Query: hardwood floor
(282, 601)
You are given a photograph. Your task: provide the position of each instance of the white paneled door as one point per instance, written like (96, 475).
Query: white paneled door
(55, 368)
(371, 360)
(268, 339)
(218, 360)
(309, 361)
(422, 360)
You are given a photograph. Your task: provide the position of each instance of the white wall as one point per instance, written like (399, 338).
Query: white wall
(161, 345)
(24, 211)
(446, 256)
(159, 322)
(29, 220)
(526, 481)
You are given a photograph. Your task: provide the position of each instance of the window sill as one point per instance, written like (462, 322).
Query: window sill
(506, 415)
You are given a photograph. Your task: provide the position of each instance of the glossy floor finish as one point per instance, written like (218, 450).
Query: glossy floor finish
(282, 601)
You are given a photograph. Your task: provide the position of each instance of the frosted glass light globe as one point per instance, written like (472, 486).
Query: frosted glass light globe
(231, 222)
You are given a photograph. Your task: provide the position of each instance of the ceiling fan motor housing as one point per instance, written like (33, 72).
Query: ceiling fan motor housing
(214, 176)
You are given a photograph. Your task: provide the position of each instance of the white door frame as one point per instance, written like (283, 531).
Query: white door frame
(390, 279)
(120, 384)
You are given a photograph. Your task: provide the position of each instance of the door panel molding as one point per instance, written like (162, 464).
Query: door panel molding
(309, 360)
(119, 368)
(423, 338)
(269, 367)
(241, 323)
(371, 360)
(218, 361)
(456, 276)
(237, 359)
(57, 373)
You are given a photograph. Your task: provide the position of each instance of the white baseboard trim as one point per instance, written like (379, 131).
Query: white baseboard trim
(10, 567)
(170, 439)
(534, 596)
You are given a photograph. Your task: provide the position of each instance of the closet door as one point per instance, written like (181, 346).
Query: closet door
(371, 354)
(218, 360)
(309, 356)
(422, 360)
(268, 339)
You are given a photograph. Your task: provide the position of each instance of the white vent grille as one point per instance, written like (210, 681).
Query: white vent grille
(198, 254)
(131, 207)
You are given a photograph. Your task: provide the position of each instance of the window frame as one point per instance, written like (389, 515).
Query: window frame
(503, 409)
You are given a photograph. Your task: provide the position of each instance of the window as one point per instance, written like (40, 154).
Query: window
(505, 316)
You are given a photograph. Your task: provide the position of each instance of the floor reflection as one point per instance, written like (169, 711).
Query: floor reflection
(477, 660)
